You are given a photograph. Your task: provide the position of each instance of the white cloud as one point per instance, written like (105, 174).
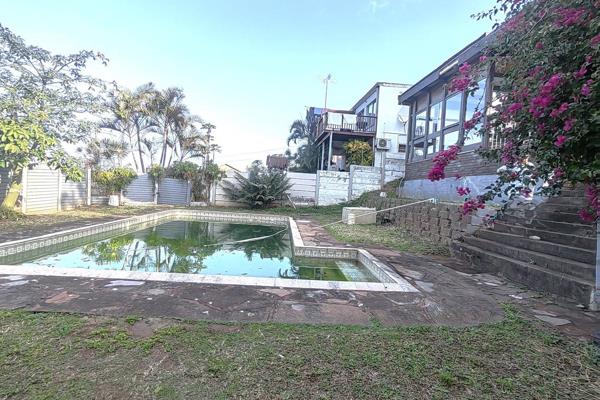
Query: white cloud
(376, 5)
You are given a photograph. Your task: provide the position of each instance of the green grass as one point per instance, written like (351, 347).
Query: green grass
(61, 356)
(390, 236)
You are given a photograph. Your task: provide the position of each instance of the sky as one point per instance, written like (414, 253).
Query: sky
(252, 67)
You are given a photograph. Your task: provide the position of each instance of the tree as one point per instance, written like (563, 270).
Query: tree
(548, 117)
(45, 100)
(129, 117)
(169, 114)
(261, 188)
(306, 158)
(358, 152)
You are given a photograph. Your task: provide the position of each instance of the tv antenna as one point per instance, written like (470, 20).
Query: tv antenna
(326, 81)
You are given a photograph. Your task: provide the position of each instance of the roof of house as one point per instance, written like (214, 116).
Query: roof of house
(467, 53)
(374, 87)
(277, 161)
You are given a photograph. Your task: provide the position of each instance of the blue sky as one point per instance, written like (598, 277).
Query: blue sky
(251, 67)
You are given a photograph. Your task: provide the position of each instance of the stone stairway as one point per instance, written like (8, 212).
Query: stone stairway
(549, 248)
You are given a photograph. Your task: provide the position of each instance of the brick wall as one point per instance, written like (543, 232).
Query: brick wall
(468, 164)
(441, 222)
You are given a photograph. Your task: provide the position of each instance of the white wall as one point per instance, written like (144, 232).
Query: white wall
(390, 126)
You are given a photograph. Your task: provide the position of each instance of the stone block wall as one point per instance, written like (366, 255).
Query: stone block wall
(440, 223)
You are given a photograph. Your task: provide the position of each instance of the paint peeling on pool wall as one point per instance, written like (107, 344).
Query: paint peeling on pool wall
(200, 246)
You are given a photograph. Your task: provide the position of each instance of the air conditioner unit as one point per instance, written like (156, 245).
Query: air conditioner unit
(383, 144)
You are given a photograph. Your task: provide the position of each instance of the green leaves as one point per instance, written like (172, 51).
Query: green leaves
(358, 153)
(261, 188)
(114, 180)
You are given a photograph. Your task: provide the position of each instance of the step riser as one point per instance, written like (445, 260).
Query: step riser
(575, 254)
(565, 208)
(530, 277)
(554, 237)
(568, 201)
(537, 259)
(554, 226)
(561, 217)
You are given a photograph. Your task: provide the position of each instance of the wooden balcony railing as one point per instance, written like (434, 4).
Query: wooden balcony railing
(341, 122)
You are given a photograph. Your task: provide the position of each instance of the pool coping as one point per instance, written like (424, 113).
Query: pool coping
(390, 281)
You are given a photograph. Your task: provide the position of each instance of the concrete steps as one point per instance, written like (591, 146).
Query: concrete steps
(530, 275)
(546, 261)
(548, 248)
(542, 246)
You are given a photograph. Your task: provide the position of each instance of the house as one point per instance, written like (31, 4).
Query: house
(375, 118)
(277, 161)
(436, 121)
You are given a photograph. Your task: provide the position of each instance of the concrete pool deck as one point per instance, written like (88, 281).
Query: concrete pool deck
(448, 293)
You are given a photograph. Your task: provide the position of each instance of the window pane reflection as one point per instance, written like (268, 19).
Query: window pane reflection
(419, 149)
(453, 109)
(431, 146)
(435, 117)
(420, 123)
(450, 138)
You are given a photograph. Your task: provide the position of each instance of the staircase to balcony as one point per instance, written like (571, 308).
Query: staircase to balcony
(548, 249)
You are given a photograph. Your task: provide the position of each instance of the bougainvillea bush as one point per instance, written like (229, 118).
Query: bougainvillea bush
(548, 116)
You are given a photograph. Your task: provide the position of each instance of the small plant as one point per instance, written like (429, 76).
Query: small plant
(10, 214)
(358, 153)
(113, 181)
(261, 188)
(156, 172)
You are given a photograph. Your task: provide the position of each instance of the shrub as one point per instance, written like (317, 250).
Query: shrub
(114, 180)
(358, 153)
(185, 170)
(10, 214)
(260, 189)
(156, 172)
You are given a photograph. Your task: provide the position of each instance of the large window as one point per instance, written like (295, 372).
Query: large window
(438, 120)
(371, 107)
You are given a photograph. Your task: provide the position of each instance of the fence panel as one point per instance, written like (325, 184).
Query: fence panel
(141, 190)
(4, 182)
(73, 194)
(303, 187)
(41, 190)
(174, 192)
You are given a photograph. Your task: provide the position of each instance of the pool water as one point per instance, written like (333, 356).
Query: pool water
(202, 248)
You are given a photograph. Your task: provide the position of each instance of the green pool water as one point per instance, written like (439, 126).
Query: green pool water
(200, 248)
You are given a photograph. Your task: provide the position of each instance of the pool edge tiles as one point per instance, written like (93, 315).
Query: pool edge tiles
(389, 279)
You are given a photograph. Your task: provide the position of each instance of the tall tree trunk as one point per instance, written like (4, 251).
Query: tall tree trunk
(139, 143)
(135, 163)
(163, 153)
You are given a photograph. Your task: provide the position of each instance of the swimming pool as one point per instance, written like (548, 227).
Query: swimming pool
(200, 246)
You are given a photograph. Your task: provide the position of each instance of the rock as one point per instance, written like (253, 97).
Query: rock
(533, 237)
(553, 321)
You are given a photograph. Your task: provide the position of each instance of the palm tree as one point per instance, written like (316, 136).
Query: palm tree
(168, 113)
(307, 156)
(128, 118)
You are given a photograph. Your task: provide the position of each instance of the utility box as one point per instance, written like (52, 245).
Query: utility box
(358, 215)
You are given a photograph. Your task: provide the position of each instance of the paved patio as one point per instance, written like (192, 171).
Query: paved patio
(450, 293)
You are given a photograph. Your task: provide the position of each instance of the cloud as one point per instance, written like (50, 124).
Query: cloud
(376, 5)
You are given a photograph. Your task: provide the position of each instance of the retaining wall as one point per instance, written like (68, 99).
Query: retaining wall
(441, 222)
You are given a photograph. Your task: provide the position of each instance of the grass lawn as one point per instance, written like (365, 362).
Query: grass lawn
(62, 356)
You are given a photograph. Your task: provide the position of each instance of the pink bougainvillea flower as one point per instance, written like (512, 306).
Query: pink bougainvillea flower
(539, 46)
(586, 90)
(471, 205)
(514, 107)
(568, 125)
(558, 111)
(483, 58)
(560, 141)
(465, 68)
(441, 161)
(569, 16)
(463, 191)
(591, 213)
(595, 40)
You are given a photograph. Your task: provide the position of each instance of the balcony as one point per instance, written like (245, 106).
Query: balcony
(348, 123)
